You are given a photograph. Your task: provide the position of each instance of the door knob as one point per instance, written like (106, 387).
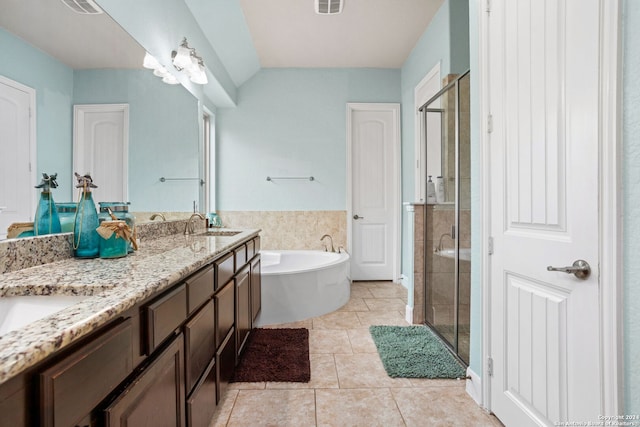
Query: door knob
(357, 217)
(580, 268)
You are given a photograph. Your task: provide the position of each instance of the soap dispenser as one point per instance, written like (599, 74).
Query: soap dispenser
(431, 192)
(46, 219)
(86, 241)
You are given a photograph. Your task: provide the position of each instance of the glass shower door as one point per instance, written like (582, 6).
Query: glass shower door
(447, 228)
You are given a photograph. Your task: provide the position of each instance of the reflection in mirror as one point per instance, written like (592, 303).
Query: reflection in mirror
(60, 59)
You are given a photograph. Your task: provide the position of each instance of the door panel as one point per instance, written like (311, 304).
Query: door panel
(101, 148)
(543, 90)
(373, 135)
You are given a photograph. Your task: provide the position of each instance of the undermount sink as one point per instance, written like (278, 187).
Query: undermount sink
(465, 253)
(19, 311)
(220, 233)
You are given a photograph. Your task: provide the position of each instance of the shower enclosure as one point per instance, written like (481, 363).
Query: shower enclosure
(448, 221)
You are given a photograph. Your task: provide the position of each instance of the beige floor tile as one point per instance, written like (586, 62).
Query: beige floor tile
(329, 341)
(391, 318)
(361, 341)
(360, 292)
(337, 320)
(323, 374)
(355, 304)
(392, 292)
(383, 304)
(367, 408)
(426, 382)
(223, 411)
(273, 408)
(441, 406)
(247, 386)
(365, 370)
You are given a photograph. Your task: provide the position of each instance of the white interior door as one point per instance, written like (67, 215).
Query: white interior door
(543, 86)
(17, 154)
(100, 148)
(374, 141)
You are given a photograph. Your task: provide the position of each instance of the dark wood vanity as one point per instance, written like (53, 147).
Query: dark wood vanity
(164, 362)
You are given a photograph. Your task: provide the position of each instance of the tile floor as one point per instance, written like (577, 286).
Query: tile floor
(349, 386)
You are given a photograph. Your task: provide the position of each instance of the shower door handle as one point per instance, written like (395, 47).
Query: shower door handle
(580, 268)
(356, 216)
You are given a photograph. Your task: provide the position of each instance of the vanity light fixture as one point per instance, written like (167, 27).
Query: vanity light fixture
(152, 63)
(185, 59)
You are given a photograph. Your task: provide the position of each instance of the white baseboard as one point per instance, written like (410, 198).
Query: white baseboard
(474, 386)
(408, 316)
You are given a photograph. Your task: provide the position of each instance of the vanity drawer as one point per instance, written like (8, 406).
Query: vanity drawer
(199, 343)
(256, 244)
(199, 288)
(225, 311)
(224, 270)
(72, 387)
(165, 315)
(241, 256)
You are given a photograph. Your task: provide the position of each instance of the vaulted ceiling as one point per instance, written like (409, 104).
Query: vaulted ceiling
(246, 34)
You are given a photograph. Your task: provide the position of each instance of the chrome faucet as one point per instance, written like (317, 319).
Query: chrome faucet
(188, 229)
(157, 215)
(325, 246)
(439, 248)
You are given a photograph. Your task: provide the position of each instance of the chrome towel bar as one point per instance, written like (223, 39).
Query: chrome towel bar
(309, 178)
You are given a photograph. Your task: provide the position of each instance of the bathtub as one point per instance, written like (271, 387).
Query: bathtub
(297, 285)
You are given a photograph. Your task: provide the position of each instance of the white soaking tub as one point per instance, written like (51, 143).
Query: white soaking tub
(297, 285)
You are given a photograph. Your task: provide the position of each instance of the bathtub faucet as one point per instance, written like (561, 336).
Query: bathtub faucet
(325, 246)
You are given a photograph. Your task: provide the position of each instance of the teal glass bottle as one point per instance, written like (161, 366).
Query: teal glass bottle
(46, 220)
(86, 240)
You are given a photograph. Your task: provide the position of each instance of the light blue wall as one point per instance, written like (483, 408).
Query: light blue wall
(631, 181)
(53, 83)
(292, 122)
(163, 134)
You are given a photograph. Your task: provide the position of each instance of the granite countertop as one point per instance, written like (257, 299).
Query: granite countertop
(111, 285)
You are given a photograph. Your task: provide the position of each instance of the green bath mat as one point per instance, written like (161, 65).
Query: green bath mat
(414, 352)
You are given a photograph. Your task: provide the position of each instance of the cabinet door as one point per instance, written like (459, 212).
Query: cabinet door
(201, 405)
(256, 289)
(243, 309)
(156, 397)
(74, 386)
(200, 345)
(225, 307)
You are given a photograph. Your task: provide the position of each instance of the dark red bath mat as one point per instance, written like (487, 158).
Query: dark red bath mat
(275, 355)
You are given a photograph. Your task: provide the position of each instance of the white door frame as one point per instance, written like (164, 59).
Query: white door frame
(609, 203)
(33, 160)
(396, 196)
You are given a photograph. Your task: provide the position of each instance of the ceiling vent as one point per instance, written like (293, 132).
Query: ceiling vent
(329, 7)
(85, 7)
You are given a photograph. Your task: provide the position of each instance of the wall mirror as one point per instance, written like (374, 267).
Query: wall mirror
(69, 58)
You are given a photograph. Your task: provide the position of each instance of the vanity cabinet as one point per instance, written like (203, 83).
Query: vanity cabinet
(166, 361)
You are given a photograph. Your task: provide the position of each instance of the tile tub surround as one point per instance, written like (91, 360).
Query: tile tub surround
(291, 229)
(113, 286)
